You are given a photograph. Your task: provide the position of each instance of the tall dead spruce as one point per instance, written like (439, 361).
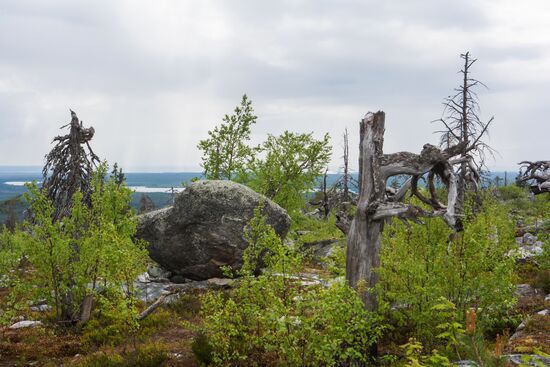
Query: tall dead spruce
(462, 124)
(537, 173)
(69, 167)
(376, 204)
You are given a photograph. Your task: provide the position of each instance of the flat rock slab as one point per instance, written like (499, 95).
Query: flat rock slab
(25, 324)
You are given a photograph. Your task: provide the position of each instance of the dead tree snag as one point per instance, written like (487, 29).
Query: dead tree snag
(375, 205)
(69, 167)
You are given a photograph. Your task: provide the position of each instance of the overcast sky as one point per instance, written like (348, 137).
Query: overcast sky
(153, 77)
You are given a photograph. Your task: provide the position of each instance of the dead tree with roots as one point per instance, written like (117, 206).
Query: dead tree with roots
(376, 204)
(537, 174)
(69, 166)
(462, 124)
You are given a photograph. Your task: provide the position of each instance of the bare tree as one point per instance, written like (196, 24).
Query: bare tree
(346, 177)
(325, 203)
(537, 174)
(462, 124)
(69, 166)
(375, 205)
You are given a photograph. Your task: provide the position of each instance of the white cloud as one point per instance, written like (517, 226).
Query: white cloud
(154, 77)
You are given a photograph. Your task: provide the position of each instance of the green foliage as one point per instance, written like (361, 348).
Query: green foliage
(274, 319)
(226, 153)
(512, 192)
(306, 230)
(147, 355)
(413, 354)
(313, 230)
(202, 349)
(422, 263)
(291, 165)
(90, 252)
(528, 360)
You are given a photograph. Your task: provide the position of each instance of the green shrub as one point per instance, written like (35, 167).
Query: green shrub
(512, 192)
(102, 359)
(202, 349)
(91, 252)
(274, 319)
(420, 263)
(147, 355)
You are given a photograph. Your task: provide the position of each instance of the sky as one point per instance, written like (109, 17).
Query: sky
(152, 77)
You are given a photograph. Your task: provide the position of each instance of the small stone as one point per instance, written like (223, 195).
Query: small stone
(41, 308)
(25, 324)
(529, 239)
(547, 298)
(155, 271)
(465, 363)
(543, 313)
(143, 278)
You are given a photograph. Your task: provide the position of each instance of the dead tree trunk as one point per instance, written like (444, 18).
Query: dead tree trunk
(346, 177)
(326, 205)
(363, 251)
(463, 125)
(374, 206)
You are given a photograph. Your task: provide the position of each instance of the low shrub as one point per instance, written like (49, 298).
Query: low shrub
(276, 319)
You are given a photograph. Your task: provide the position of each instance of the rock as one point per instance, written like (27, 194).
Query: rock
(157, 272)
(527, 359)
(204, 229)
(179, 279)
(220, 282)
(547, 298)
(41, 308)
(144, 278)
(149, 292)
(544, 313)
(525, 291)
(528, 248)
(320, 249)
(529, 239)
(465, 363)
(25, 324)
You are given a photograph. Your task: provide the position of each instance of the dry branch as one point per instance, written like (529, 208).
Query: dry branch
(537, 174)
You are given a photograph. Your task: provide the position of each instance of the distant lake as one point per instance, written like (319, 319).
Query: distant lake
(159, 183)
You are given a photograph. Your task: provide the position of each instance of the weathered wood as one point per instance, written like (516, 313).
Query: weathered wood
(159, 302)
(537, 174)
(363, 249)
(86, 309)
(69, 167)
(375, 206)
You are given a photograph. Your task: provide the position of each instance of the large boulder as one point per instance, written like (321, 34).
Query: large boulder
(204, 229)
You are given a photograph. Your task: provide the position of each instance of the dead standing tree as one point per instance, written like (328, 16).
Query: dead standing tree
(375, 206)
(537, 173)
(69, 167)
(463, 125)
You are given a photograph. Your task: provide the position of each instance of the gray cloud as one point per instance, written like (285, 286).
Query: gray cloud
(153, 77)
